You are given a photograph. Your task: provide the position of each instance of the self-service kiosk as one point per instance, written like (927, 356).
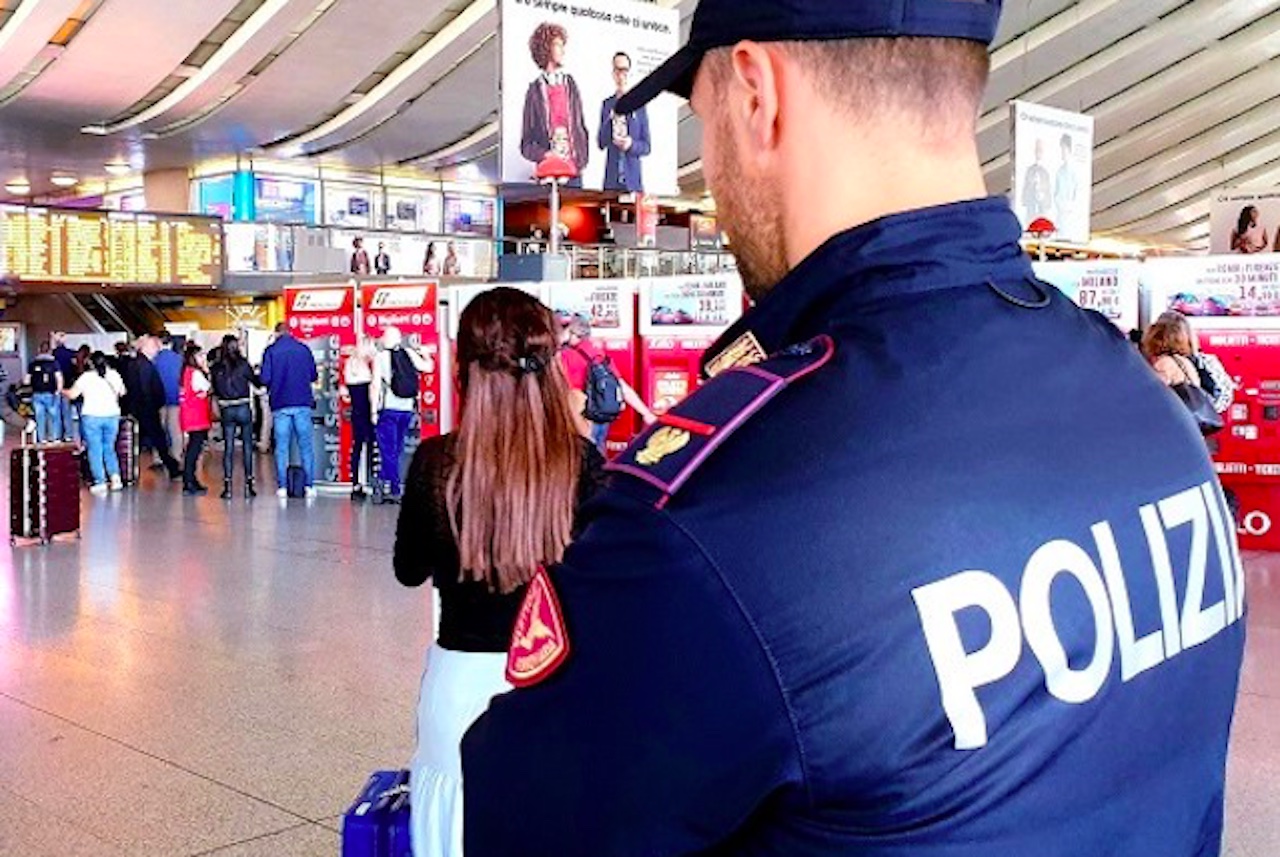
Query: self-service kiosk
(323, 317)
(679, 318)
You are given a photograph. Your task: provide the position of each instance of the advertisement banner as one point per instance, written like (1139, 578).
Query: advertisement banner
(1112, 288)
(701, 306)
(1214, 286)
(323, 319)
(414, 309)
(564, 65)
(1053, 169)
(1244, 221)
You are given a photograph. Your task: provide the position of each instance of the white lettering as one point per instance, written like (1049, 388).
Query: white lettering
(961, 673)
(1198, 624)
(1163, 567)
(1046, 564)
(1234, 544)
(1136, 656)
(1217, 519)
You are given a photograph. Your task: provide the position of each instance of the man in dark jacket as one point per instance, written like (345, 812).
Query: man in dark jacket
(623, 136)
(67, 366)
(289, 371)
(146, 399)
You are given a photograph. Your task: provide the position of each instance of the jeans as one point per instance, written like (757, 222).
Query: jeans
(237, 417)
(151, 433)
(293, 425)
(362, 434)
(48, 416)
(173, 429)
(100, 435)
(68, 411)
(393, 427)
(191, 459)
(600, 436)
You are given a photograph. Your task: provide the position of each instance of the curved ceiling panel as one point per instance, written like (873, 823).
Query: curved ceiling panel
(309, 80)
(124, 50)
(28, 31)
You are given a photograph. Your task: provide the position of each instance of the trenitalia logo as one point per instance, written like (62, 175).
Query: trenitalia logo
(326, 300)
(400, 297)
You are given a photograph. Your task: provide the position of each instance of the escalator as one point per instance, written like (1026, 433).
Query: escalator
(132, 315)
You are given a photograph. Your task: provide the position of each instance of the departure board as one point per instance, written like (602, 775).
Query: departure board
(66, 245)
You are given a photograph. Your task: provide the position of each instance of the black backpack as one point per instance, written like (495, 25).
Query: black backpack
(604, 390)
(44, 376)
(404, 375)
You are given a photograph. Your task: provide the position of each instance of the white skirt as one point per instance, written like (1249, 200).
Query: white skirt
(456, 690)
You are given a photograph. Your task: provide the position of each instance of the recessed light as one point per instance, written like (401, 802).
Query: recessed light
(118, 169)
(64, 181)
(18, 188)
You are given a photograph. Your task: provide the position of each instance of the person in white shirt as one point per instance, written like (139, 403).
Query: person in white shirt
(357, 377)
(393, 412)
(101, 388)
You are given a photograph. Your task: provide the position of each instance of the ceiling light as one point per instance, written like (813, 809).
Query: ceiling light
(64, 181)
(20, 187)
(118, 169)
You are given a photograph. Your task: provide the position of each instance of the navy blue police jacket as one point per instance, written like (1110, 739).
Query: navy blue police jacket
(950, 575)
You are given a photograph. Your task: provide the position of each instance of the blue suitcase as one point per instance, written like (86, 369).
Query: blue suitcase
(377, 824)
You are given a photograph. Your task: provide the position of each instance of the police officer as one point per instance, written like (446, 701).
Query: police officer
(932, 566)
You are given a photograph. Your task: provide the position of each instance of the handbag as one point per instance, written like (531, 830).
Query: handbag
(1200, 403)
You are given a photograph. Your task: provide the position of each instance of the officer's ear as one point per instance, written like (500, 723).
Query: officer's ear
(753, 96)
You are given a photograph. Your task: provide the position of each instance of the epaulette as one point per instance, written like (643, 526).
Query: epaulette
(669, 452)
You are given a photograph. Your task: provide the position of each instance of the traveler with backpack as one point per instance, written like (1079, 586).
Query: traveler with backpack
(397, 378)
(233, 387)
(46, 386)
(594, 382)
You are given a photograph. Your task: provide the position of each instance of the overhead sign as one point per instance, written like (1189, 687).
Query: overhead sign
(1053, 169)
(66, 245)
(564, 64)
(1245, 222)
(1111, 288)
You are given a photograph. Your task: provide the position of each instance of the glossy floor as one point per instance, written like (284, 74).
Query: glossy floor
(199, 677)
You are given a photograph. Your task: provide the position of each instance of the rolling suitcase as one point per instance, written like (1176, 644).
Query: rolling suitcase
(377, 824)
(128, 452)
(44, 492)
(295, 482)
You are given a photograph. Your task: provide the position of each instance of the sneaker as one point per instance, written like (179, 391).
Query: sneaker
(99, 489)
(117, 484)
(283, 493)
(311, 493)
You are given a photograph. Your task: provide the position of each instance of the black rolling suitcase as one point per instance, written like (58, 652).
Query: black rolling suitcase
(127, 450)
(44, 492)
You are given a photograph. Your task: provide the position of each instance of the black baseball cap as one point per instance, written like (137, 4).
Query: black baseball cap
(721, 23)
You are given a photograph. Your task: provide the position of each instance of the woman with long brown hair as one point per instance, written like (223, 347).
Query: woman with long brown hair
(484, 508)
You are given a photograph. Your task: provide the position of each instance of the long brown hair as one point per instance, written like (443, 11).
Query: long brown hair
(512, 494)
(1168, 334)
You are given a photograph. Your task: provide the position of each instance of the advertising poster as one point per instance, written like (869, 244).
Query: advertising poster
(690, 306)
(1214, 286)
(1053, 169)
(1244, 222)
(704, 233)
(1111, 288)
(564, 64)
(414, 308)
(323, 319)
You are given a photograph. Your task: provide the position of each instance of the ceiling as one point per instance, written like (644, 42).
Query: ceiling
(1182, 91)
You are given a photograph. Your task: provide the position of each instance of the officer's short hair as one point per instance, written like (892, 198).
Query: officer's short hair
(866, 76)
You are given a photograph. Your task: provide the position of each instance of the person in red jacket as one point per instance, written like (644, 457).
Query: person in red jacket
(194, 414)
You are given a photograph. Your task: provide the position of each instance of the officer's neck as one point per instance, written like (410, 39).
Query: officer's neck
(848, 178)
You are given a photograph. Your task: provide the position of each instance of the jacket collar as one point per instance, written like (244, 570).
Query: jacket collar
(931, 249)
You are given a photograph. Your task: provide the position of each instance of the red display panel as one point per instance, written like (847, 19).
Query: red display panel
(413, 308)
(324, 319)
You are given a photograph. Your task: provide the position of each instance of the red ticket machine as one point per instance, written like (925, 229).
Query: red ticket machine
(609, 306)
(413, 308)
(323, 317)
(680, 317)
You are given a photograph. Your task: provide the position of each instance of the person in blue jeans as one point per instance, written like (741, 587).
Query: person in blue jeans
(100, 389)
(66, 360)
(46, 386)
(289, 373)
(392, 413)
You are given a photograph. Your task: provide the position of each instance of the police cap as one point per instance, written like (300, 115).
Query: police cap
(721, 23)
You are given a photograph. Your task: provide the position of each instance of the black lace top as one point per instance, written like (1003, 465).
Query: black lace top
(473, 619)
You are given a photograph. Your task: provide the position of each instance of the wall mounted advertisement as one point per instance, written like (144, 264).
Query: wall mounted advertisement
(702, 306)
(1053, 169)
(1111, 288)
(470, 215)
(1214, 286)
(564, 64)
(1245, 221)
(415, 212)
(324, 319)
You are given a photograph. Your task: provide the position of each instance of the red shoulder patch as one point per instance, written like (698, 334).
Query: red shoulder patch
(539, 643)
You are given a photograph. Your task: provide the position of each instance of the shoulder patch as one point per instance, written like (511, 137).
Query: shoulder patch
(668, 453)
(539, 641)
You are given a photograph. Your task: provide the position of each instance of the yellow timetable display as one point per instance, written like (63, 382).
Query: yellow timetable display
(65, 245)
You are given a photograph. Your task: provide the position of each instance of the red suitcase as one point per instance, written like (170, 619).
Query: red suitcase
(44, 492)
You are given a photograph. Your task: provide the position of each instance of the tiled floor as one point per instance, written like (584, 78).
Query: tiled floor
(199, 677)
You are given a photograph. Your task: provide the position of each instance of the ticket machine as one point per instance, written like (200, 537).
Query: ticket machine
(323, 317)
